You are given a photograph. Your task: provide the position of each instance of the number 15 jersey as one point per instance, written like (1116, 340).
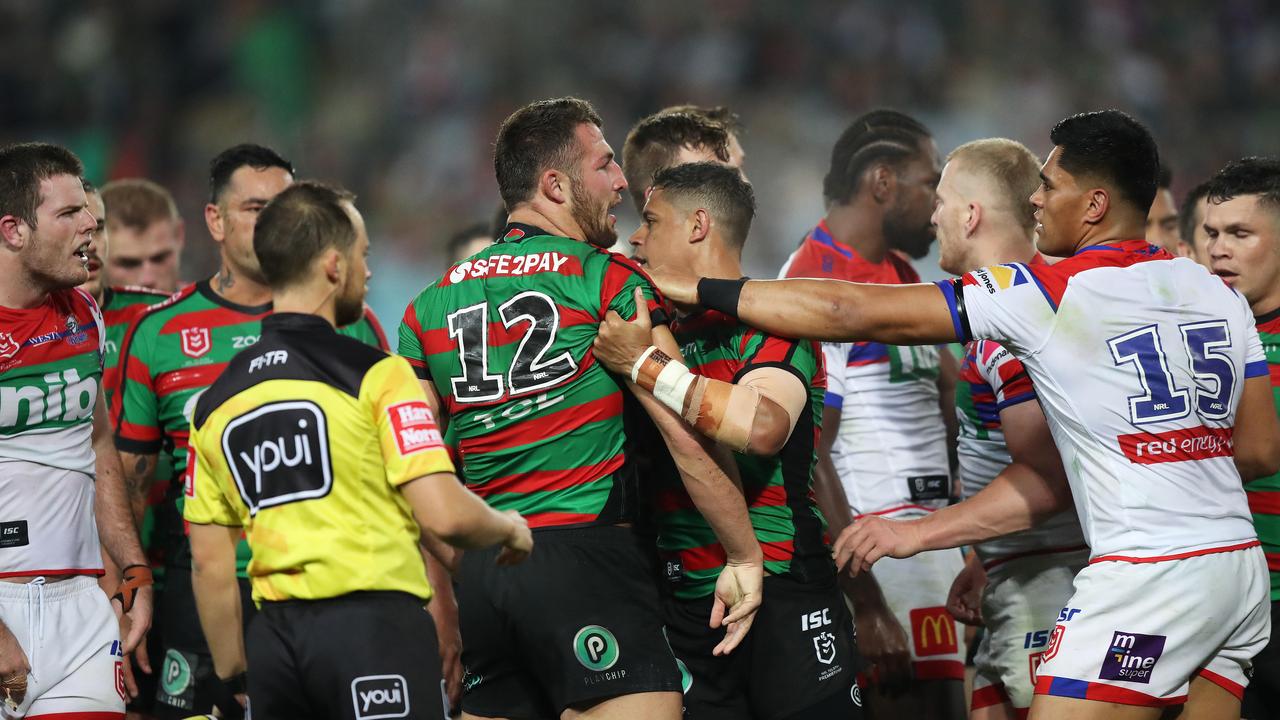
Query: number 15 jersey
(1139, 361)
(505, 337)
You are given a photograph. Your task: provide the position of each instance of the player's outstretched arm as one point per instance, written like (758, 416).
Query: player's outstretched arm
(119, 536)
(831, 310)
(1256, 440)
(1017, 499)
(755, 415)
(446, 509)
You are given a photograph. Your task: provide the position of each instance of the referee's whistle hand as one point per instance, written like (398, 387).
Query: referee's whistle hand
(519, 542)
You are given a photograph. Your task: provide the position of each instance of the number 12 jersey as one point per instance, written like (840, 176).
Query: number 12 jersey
(505, 337)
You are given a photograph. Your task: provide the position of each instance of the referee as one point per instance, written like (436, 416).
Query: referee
(324, 452)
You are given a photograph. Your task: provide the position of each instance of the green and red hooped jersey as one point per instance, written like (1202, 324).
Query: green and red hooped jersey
(1264, 493)
(121, 305)
(505, 337)
(172, 353)
(778, 489)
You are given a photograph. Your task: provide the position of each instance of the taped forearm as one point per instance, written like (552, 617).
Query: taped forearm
(722, 411)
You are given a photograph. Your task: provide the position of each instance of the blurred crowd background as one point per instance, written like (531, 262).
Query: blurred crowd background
(400, 101)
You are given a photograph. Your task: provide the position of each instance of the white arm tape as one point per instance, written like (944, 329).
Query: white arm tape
(635, 369)
(672, 385)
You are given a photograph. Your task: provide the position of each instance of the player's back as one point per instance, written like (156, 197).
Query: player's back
(505, 337)
(1140, 367)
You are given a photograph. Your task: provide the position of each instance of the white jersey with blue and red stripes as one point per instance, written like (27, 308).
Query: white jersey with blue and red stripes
(891, 451)
(1139, 361)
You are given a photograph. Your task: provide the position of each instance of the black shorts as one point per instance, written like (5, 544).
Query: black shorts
(578, 622)
(185, 683)
(362, 655)
(799, 660)
(1262, 696)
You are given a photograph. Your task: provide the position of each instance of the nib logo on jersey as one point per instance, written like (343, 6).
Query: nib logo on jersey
(380, 696)
(1132, 657)
(279, 453)
(57, 397)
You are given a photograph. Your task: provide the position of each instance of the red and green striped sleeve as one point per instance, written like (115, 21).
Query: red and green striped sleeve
(1264, 493)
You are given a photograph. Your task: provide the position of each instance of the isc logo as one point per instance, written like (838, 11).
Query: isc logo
(279, 453)
(815, 620)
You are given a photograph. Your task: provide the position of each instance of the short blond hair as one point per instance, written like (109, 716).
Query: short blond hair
(137, 203)
(1012, 169)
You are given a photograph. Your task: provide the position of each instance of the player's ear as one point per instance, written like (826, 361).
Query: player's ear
(11, 233)
(883, 182)
(213, 220)
(555, 185)
(700, 225)
(334, 265)
(972, 220)
(1099, 203)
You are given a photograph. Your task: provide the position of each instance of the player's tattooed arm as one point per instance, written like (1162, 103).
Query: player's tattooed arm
(831, 310)
(755, 415)
(139, 473)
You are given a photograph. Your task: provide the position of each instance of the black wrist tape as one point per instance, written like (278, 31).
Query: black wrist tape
(720, 295)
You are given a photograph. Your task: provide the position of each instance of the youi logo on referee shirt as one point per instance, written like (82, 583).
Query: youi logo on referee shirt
(380, 696)
(279, 453)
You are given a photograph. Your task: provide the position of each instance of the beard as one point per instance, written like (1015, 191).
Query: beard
(592, 217)
(907, 235)
(349, 306)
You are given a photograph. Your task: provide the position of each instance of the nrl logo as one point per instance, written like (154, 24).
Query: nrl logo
(195, 342)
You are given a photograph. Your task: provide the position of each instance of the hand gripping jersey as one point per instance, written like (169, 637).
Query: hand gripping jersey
(1138, 360)
(172, 353)
(505, 337)
(304, 441)
(50, 367)
(778, 489)
(891, 450)
(1264, 493)
(992, 379)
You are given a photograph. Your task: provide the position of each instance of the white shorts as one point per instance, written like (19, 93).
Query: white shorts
(1136, 633)
(916, 591)
(72, 641)
(1019, 606)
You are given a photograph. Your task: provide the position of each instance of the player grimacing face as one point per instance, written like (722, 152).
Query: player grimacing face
(100, 247)
(249, 190)
(56, 252)
(1244, 249)
(596, 187)
(907, 225)
(349, 304)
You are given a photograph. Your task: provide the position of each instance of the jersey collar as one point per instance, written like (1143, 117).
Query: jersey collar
(515, 232)
(296, 321)
(1268, 317)
(204, 288)
(1137, 245)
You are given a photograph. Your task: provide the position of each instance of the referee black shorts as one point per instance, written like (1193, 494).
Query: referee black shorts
(577, 623)
(353, 657)
(798, 662)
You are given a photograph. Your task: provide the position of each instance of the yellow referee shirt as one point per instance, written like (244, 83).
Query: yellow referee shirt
(303, 441)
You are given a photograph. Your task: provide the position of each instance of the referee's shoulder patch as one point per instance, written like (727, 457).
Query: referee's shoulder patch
(414, 427)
